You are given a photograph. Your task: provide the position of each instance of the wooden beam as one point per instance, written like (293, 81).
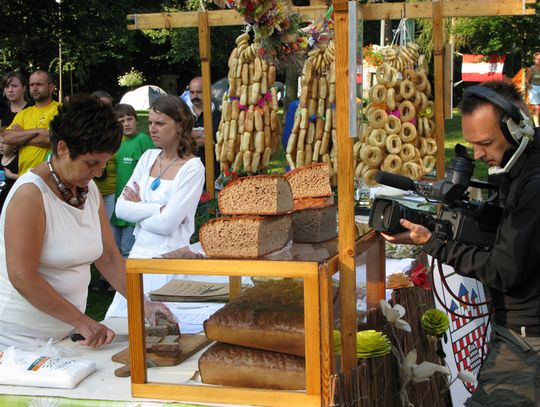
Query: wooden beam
(438, 88)
(216, 18)
(371, 11)
(205, 56)
(453, 8)
(346, 244)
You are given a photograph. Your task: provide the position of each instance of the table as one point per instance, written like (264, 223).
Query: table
(101, 388)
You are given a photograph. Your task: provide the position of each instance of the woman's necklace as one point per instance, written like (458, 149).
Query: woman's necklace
(76, 201)
(157, 182)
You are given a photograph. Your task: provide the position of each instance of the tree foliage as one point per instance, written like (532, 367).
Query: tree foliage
(516, 36)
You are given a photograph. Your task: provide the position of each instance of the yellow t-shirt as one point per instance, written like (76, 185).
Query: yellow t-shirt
(33, 117)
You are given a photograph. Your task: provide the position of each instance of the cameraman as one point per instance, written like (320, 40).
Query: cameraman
(510, 270)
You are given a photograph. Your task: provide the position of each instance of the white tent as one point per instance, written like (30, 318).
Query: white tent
(141, 98)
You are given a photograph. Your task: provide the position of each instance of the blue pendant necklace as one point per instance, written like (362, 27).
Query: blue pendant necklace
(157, 182)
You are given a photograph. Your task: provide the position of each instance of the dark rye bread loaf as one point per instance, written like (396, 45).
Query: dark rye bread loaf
(237, 366)
(315, 225)
(311, 181)
(246, 236)
(269, 316)
(256, 195)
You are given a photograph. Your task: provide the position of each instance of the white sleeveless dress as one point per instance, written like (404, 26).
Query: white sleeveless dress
(71, 243)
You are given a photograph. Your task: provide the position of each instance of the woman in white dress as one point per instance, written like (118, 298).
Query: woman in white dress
(163, 193)
(53, 227)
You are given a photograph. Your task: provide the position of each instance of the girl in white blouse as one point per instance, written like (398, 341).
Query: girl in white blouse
(163, 193)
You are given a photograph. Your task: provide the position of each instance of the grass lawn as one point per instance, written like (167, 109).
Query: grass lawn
(98, 301)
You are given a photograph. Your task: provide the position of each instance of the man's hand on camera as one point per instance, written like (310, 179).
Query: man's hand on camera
(416, 234)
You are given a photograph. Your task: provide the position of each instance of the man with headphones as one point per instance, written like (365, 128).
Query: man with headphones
(494, 123)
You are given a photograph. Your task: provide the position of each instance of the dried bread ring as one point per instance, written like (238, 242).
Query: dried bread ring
(423, 103)
(420, 124)
(429, 126)
(377, 138)
(391, 99)
(407, 152)
(422, 146)
(378, 118)
(358, 171)
(411, 170)
(421, 81)
(393, 78)
(416, 100)
(410, 75)
(393, 125)
(393, 144)
(392, 163)
(407, 112)
(408, 132)
(371, 155)
(383, 73)
(378, 93)
(407, 89)
(431, 146)
(369, 177)
(430, 109)
(429, 163)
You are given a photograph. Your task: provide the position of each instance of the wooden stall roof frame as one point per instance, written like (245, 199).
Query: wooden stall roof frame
(436, 10)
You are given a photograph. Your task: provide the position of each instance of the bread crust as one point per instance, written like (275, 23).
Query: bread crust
(268, 316)
(237, 366)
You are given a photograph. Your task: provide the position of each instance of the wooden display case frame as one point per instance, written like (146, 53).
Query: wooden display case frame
(318, 319)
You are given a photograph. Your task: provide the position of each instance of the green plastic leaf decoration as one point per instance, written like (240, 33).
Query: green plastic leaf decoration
(434, 322)
(370, 343)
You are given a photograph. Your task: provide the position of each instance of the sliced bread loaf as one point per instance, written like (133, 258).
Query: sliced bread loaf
(311, 181)
(256, 195)
(245, 236)
(315, 225)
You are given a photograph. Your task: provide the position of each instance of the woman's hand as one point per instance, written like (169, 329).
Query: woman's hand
(416, 234)
(94, 333)
(154, 309)
(132, 194)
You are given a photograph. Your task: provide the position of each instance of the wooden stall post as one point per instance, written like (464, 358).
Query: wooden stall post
(347, 269)
(204, 54)
(438, 63)
(137, 346)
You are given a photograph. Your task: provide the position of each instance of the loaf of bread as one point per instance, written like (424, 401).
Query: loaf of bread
(269, 316)
(237, 366)
(256, 195)
(315, 225)
(245, 236)
(311, 181)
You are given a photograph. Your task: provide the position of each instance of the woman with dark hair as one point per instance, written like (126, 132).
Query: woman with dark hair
(162, 195)
(14, 86)
(53, 227)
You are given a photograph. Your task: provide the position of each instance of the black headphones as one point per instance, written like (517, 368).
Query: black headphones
(514, 123)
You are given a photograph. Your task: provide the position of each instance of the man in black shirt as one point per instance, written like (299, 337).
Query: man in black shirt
(510, 375)
(196, 106)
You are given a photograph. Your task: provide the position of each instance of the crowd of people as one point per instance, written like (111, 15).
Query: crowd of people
(83, 176)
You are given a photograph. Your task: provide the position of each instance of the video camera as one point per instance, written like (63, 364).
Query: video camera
(459, 217)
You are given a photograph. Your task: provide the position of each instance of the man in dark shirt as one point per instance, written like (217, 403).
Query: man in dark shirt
(510, 270)
(196, 106)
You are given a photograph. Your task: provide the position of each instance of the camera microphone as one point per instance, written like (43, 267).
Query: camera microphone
(403, 183)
